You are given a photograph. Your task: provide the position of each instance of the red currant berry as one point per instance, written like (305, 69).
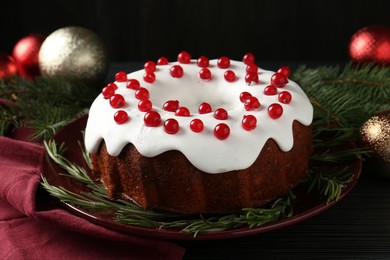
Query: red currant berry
(285, 71)
(142, 94)
(171, 126)
(249, 122)
(149, 77)
(270, 90)
(251, 103)
(145, 105)
(133, 84)
(121, 76)
(171, 105)
(196, 125)
(252, 68)
(244, 96)
(184, 57)
(203, 62)
(113, 85)
(117, 101)
(182, 111)
(205, 74)
(205, 108)
(221, 114)
(108, 91)
(121, 117)
(150, 66)
(222, 131)
(278, 80)
(162, 61)
(284, 97)
(229, 76)
(251, 77)
(152, 119)
(176, 71)
(223, 62)
(248, 58)
(275, 110)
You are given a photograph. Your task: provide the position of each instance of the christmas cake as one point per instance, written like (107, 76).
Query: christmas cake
(200, 136)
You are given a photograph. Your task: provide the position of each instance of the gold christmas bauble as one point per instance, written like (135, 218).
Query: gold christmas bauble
(375, 134)
(74, 52)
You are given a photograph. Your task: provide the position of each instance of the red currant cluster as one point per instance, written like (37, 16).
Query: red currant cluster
(278, 80)
(171, 126)
(196, 124)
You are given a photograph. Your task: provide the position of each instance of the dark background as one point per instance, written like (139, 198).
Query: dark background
(273, 30)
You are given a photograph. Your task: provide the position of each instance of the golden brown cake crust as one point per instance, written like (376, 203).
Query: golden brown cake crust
(170, 182)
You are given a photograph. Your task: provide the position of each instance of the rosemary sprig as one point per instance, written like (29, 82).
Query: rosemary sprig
(328, 185)
(75, 171)
(74, 198)
(125, 212)
(250, 217)
(129, 213)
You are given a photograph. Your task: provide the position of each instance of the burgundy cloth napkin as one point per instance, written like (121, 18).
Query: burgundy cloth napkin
(33, 228)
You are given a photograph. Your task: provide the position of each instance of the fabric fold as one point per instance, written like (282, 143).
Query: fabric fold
(30, 228)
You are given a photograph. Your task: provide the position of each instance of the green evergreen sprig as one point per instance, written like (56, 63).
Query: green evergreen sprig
(330, 184)
(128, 213)
(44, 105)
(346, 96)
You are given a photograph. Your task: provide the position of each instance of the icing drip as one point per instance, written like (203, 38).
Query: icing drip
(202, 149)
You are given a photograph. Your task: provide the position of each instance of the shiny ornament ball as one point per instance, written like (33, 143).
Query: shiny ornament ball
(8, 67)
(25, 53)
(74, 52)
(375, 134)
(371, 44)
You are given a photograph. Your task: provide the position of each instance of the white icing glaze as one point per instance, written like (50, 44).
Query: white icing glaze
(203, 150)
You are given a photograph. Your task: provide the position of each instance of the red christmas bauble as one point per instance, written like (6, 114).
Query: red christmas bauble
(26, 54)
(371, 44)
(8, 66)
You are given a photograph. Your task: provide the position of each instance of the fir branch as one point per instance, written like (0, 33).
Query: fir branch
(347, 96)
(44, 105)
(48, 118)
(326, 134)
(9, 119)
(331, 156)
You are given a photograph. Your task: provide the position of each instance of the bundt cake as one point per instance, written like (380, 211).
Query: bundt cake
(200, 136)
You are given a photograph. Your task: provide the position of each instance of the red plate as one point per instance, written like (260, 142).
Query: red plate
(306, 205)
